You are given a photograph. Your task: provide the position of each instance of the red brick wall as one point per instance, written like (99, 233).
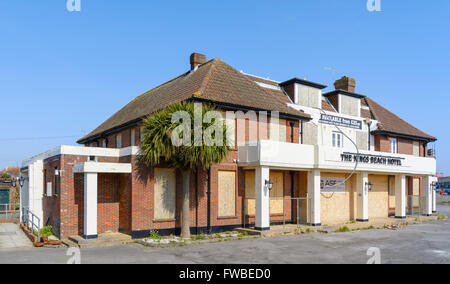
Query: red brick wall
(405, 146)
(108, 203)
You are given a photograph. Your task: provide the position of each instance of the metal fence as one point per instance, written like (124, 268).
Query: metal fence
(32, 222)
(9, 212)
(415, 205)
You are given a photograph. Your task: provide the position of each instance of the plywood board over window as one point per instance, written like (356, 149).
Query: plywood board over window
(165, 190)
(227, 193)
(276, 194)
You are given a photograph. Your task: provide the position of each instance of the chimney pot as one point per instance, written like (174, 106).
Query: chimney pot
(197, 59)
(346, 84)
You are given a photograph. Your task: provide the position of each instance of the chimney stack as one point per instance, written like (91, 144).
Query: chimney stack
(346, 84)
(197, 59)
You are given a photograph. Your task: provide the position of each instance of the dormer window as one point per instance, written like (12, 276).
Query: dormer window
(304, 93)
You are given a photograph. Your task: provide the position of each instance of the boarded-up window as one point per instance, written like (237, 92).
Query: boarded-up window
(250, 193)
(227, 194)
(165, 188)
(416, 148)
(276, 194)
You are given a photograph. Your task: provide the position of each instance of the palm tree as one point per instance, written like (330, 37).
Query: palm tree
(157, 146)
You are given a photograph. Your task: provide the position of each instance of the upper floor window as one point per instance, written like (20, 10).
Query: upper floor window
(337, 140)
(393, 145)
(133, 137)
(142, 134)
(104, 143)
(119, 141)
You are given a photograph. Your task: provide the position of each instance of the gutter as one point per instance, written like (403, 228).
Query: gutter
(389, 133)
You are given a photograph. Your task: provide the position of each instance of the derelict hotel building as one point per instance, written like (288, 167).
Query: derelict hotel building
(100, 187)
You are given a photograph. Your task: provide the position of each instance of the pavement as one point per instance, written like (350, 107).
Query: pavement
(12, 237)
(423, 243)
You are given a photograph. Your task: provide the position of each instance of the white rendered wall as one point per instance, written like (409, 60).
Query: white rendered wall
(427, 199)
(262, 213)
(90, 204)
(314, 195)
(400, 196)
(362, 197)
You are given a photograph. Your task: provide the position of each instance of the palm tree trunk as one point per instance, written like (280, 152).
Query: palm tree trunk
(185, 221)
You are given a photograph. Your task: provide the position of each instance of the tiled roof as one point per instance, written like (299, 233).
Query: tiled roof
(389, 122)
(214, 81)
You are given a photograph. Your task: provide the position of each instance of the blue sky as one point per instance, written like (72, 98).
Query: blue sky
(63, 73)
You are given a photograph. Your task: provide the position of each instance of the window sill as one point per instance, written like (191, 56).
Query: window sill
(227, 217)
(163, 220)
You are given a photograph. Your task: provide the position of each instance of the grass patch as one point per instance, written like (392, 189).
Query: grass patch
(444, 203)
(154, 235)
(344, 229)
(441, 217)
(45, 232)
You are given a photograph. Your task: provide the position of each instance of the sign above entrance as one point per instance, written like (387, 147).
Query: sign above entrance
(340, 121)
(372, 159)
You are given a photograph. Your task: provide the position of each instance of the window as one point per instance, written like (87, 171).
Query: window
(104, 143)
(119, 141)
(227, 193)
(133, 137)
(393, 145)
(142, 134)
(165, 194)
(337, 140)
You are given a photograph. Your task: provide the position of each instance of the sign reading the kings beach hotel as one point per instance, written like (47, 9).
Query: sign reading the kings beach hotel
(340, 121)
(371, 159)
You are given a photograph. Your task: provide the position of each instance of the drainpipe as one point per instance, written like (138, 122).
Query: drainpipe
(208, 193)
(369, 124)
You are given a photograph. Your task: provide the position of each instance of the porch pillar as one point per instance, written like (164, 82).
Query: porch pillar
(434, 201)
(362, 198)
(400, 196)
(314, 195)
(90, 205)
(427, 199)
(262, 214)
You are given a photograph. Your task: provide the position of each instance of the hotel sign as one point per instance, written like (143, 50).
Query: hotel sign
(372, 159)
(340, 121)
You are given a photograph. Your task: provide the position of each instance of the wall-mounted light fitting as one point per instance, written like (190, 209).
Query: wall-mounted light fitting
(269, 184)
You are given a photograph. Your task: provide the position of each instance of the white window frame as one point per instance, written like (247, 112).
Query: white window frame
(337, 140)
(393, 145)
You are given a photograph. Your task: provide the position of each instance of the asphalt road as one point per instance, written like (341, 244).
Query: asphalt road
(423, 243)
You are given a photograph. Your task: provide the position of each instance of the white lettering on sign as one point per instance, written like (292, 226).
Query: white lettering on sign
(340, 121)
(371, 159)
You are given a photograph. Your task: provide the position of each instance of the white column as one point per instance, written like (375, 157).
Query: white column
(362, 198)
(400, 196)
(427, 198)
(90, 205)
(314, 195)
(434, 202)
(262, 221)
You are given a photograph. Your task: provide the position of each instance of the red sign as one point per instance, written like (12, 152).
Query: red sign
(440, 175)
